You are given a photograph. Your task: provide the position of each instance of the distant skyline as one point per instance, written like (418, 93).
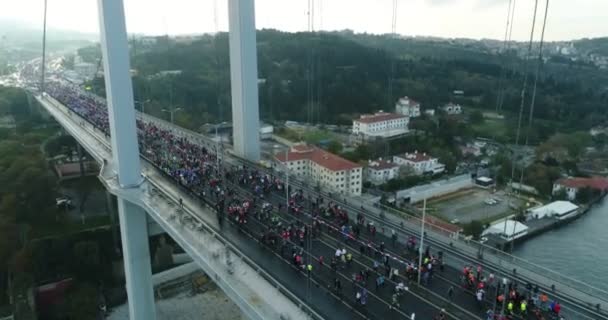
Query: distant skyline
(439, 18)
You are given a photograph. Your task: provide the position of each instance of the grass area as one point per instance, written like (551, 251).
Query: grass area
(312, 136)
(503, 215)
(491, 128)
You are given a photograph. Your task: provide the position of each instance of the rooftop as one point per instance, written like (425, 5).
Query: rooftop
(598, 183)
(381, 164)
(416, 156)
(554, 208)
(318, 156)
(506, 227)
(407, 101)
(379, 117)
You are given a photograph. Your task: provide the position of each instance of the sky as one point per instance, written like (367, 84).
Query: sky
(475, 19)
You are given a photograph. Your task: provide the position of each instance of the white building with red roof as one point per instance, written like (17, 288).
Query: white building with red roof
(380, 171)
(408, 107)
(420, 162)
(381, 124)
(322, 167)
(573, 185)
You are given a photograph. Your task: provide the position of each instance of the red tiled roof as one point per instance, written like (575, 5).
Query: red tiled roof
(319, 156)
(598, 183)
(381, 165)
(379, 117)
(416, 157)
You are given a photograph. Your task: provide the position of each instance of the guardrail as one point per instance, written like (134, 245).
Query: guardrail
(311, 313)
(560, 279)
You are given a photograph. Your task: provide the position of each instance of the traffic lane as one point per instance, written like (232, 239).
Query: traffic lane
(282, 272)
(440, 283)
(319, 248)
(378, 304)
(466, 297)
(569, 306)
(321, 280)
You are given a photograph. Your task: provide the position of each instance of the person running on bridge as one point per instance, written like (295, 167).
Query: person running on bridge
(479, 295)
(394, 302)
(337, 286)
(450, 294)
(523, 308)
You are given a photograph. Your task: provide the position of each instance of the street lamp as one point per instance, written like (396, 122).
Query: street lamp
(143, 105)
(171, 112)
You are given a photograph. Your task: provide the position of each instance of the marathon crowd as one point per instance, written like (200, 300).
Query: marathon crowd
(201, 171)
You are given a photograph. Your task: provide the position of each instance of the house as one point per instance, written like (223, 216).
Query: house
(430, 112)
(381, 124)
(321, 167)
(420, 162)
(452, 109)
(507, 229)
(408, 107)
(380, 171)
(573, 185)
(558, 209)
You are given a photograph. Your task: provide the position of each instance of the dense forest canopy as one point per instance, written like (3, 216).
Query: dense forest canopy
(331, 77)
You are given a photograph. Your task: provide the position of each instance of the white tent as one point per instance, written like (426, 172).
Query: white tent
(507, 229)
(557, 209)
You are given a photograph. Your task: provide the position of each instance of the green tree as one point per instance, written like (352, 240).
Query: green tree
(81, 302)
(474, 229)
(585, 195)
(561, 194)
(476, 117)
(334, 147)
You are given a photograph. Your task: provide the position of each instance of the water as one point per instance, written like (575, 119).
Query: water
(577, 249)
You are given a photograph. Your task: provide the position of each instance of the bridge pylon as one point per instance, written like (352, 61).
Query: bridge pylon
(125, 158)
(244, 79)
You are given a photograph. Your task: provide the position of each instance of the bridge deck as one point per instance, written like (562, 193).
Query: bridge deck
(420, 302)
(258, 294)
(582, 297)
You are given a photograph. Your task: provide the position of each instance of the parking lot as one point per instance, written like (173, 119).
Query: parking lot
(472, 204)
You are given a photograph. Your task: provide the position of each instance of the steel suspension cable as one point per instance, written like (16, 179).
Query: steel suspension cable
(523, 91)
(506, 46)
(43, 62)
(392, 63)
(539, 65)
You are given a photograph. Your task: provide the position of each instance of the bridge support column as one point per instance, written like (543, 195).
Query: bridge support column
(125, 154)
(244, 79)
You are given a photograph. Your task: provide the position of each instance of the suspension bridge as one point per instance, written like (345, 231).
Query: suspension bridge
(246, 262)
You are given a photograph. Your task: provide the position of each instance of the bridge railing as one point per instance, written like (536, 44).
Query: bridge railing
(312, 314)
(522, 264)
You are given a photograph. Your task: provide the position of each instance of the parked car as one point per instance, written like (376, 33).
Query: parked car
(64, 202)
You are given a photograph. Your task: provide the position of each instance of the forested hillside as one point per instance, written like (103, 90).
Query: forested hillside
(345, 74)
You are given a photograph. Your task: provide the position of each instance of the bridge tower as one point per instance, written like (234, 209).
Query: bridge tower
(125, 157)
(244, 79)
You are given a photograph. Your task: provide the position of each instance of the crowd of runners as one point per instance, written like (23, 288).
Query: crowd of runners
(318, 236)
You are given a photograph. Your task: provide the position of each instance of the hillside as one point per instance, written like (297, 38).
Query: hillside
(350, 75)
